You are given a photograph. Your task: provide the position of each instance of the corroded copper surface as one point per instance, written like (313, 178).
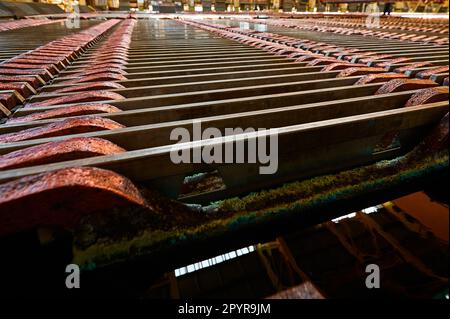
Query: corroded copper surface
(65, 127)
(296, 54)
(97, 71)
(399, 85)
(341, 66)
(430, 95)
(91, 86)
(104, 65)
(359, 55)
(70, 149)
(34, 61)
(111, 61)
(309, 57)
(23, 23)
(322, 61)
(375, 58)
(42, 56)
(412, 66)
(78, 98)
(322, 48)
(62, 197)
(96, 78)
(434, 37)
(427, 73)
(41, 72)
(393, 61)
(8, 100)
(73, 110)
(285, 51)
(4, 112)
(359, 71)
(379, 77)
(31, 80)
(22, 88)
(438, 137)
(107, 53)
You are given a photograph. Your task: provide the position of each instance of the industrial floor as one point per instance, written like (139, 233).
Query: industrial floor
(359, 114)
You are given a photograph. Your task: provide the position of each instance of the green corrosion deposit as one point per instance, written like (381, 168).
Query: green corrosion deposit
(137, 232)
